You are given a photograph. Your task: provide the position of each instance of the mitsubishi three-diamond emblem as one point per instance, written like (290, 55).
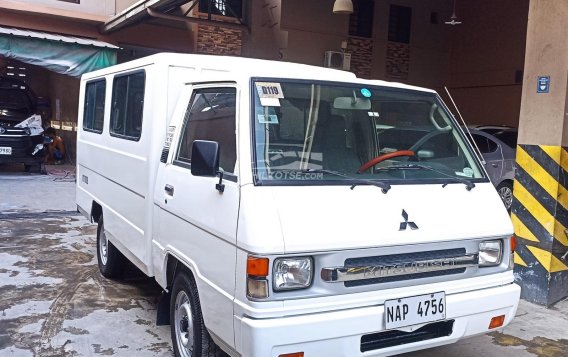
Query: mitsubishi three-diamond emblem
(406, 223)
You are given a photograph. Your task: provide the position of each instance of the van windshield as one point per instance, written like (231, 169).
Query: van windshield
(335, 133)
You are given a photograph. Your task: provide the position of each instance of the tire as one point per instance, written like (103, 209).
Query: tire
(111, 261)
(505, 190)
(33, 168)
(189, 335)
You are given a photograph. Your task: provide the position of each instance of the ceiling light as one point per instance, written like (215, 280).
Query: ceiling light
(454, 19)
(343, 7)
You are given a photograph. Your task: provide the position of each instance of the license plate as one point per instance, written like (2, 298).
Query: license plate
(415, 310)
(5, 150)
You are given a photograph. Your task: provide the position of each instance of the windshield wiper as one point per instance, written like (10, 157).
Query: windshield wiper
(468, 184)
(385, 187)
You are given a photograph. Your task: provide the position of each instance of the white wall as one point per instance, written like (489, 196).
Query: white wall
(123, 4)
(96, 7)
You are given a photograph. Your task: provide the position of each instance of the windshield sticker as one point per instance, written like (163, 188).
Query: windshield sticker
(373, 114)
(366, 93)
(169, 136)
(267, 119)
(269, 93)
(269, 90)
(270, 102)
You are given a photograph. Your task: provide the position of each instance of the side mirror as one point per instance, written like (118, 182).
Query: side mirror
(205, 158)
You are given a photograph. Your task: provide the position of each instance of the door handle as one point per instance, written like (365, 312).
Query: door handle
(169, 190)
(495, 165)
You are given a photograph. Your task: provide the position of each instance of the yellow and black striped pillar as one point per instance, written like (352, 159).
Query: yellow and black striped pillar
(540, 217)
(540, 191)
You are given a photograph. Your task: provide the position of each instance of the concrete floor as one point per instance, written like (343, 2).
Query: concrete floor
(53, 301)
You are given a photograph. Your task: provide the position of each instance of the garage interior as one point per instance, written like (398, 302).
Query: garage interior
(56, 106)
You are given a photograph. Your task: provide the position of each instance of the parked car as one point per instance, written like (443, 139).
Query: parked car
(499, 159)
(506, 134)
(19, 143)
(491, 129)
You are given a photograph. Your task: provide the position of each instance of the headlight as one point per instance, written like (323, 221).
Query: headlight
(490, 253)
(292, 273)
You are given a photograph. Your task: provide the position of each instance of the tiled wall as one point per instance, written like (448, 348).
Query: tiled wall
(398, 60)
(361, 50)
(219, 40)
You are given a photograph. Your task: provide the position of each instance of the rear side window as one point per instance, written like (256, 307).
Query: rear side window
(93, 117)
(492, 145)
(127, 106)
(484, 144)
(481, 142)
(509, 137)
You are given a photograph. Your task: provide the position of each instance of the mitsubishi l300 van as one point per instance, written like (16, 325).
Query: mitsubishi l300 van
(269, 202)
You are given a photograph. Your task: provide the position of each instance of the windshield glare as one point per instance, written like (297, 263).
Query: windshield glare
(341, 132)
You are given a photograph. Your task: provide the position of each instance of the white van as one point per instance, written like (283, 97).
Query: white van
(291, 210)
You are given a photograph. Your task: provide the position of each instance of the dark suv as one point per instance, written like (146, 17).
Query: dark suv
(17, 145)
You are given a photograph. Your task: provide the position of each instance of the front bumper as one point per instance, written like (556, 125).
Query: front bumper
(338, 333)
(26, 160)
(22, 147)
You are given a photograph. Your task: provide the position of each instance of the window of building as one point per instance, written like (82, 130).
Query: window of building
(93, 116)
(232, 8)
(211, 115)
(127, 105)
(400, 18)
(361, 20)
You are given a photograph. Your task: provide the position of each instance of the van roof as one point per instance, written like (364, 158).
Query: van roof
(242, 67)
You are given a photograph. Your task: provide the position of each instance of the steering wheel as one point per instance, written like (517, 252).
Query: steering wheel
(384, 157)
(416, 146)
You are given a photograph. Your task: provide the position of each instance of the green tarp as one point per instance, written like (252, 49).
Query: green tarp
(72, 59)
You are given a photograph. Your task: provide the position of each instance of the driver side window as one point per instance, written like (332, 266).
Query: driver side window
(211, 115)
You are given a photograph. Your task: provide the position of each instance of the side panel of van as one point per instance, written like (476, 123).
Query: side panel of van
(118, 159)
(113, 164)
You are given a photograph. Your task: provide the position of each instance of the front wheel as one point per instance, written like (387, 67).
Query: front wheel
(33, 168)
(505, 190)
(111, 261)
(189, 335)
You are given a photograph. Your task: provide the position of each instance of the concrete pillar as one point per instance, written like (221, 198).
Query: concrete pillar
(540, 207)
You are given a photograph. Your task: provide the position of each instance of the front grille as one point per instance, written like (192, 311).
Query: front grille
(20, 141)
(20, 145)
(403, 258)
(392, 338)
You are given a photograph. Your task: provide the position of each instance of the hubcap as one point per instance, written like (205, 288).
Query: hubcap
(183, 325)
(507, 196)
(103, 247)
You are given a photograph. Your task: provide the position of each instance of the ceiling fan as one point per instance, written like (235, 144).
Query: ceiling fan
(454, 19)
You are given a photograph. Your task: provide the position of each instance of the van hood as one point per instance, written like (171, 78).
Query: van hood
(316, 218)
